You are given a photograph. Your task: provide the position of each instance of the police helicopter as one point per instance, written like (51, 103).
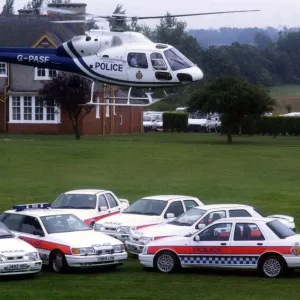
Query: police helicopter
(115, 57)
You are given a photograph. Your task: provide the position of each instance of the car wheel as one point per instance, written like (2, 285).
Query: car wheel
(272, 266)
(58, 262)
(166, 262)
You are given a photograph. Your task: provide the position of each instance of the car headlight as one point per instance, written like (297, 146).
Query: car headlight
(119, 248)
(83, 251)
(2, 258)
(33, 255)
(145, 240)
(123, 229)
(98, 227)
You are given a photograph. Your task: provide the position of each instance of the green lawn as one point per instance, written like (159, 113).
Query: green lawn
(285, 91)
(259, 171)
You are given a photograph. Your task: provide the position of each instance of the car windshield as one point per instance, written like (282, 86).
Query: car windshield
(77, 201)
(63, 223)
(177, 60)
(189, 217)
(147, 207)
(146, 118)
(5, 232)
(281, 230)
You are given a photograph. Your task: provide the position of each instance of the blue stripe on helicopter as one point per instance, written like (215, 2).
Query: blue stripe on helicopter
(85, 66)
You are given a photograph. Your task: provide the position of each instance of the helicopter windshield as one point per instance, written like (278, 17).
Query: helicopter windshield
(177, 60)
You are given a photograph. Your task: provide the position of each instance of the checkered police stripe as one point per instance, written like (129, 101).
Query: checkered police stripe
(220, 260)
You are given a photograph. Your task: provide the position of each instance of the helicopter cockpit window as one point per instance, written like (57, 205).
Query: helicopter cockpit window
(137, 60)
(177, 60)
(158, 62)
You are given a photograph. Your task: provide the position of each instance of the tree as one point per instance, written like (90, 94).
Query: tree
(234, 99)
(8, 8)
(35, 5)
(68, 92)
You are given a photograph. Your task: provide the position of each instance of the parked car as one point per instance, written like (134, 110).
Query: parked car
(152, 122)
(145, 212)
(62, 239)
(90, 205)
(262, 244)
(16, 256)
(194, 219)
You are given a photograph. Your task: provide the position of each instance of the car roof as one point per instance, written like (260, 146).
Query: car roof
(42, 212)
(169, 197)
(223, 206)
(243, 219)
(86, 191)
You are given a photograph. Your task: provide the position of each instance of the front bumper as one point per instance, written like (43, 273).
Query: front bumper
(20, 267)
(146, 260)
(118, 235)
(134, 248)
(96, 260)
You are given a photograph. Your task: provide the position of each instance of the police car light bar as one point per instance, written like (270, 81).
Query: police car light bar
(31, 206)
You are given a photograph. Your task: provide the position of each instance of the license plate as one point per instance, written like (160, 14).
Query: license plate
(18, 267)
(106, 258)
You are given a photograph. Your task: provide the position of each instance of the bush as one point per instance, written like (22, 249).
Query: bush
(276, 125)
(174, 121)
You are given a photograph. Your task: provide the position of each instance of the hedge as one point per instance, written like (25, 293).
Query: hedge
(274, 125)
(174, 121)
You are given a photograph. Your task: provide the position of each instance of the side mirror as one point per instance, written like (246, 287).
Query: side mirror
(197, 238)
(170, 216)
(38, 232)
(103, 208)
(200, 226)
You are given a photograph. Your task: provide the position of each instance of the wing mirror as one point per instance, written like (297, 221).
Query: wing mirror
(200, 226)
(103, 208)
(170, 216)
(38, 232)
(197, 238)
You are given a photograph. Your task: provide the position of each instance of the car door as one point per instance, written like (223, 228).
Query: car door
(114, 207)
(209, 247)
(175, 208)
(32, 232)
(247, 240)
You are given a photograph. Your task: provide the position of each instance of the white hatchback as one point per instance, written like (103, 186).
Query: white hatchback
(146, 212)
(16, 256)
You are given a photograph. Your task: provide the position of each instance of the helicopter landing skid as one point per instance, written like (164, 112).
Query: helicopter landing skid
(129, 99)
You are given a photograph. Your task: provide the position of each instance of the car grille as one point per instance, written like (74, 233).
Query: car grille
(12, 258)
(110, 229)
(107, 251)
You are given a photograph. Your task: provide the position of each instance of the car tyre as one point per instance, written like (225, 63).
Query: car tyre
(58, 262)
(272, 266)
(166, 262)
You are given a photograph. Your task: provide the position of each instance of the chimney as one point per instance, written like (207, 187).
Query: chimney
(25, 12)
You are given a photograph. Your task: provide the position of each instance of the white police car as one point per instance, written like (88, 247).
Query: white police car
(16, 256)
(62, 239)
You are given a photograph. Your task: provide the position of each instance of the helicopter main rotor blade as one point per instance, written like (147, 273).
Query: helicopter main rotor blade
(73, 21)
(197, 14)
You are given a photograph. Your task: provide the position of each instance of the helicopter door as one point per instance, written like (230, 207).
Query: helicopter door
(161, 69)
(138, 68)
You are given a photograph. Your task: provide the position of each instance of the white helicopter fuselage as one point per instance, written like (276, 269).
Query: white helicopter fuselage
(129, 59)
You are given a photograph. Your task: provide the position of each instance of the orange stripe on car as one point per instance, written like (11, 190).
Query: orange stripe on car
(97, 218)
(45, 245)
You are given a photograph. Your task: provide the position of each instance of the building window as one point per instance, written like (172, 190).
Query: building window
(31, 109)
(44, 74)
(3, 69)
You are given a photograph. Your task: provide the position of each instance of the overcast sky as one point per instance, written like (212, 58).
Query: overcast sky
(273, 13)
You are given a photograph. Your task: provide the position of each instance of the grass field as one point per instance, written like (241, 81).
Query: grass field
(286, 94)
(260, 171)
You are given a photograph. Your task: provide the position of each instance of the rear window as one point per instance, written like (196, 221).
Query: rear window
(281, 230)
